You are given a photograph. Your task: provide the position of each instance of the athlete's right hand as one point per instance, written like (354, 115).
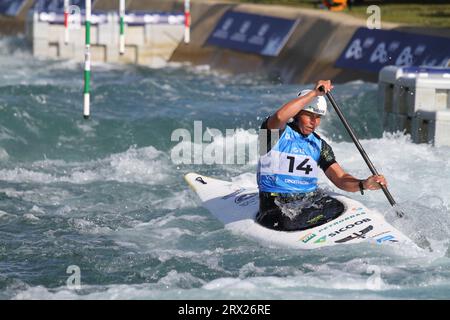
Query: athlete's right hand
(374, 182)
(326, 84)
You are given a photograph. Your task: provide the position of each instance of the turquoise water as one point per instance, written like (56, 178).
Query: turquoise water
(104, 195)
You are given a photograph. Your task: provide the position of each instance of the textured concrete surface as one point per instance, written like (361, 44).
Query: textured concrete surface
(310, 54)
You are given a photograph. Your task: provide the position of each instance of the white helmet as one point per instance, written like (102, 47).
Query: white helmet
(317, 105)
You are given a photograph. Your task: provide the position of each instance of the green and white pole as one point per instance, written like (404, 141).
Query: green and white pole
(122, 27)
(87, 62)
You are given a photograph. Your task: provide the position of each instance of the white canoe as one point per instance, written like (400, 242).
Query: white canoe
(237, 207)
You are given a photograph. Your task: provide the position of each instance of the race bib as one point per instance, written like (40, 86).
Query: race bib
(289, 164)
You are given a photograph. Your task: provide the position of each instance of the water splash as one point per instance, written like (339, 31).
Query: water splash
(427, 228)
(292, 205)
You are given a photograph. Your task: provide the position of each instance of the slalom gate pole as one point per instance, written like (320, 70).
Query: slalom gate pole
(87, 62)
(122, 27)
(187, 21)
(66, 22)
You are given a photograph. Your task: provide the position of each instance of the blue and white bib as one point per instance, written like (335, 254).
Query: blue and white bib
(291, 165)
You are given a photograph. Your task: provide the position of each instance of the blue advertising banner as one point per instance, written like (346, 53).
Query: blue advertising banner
(11, 7)
(57, 5)
(246, 32)
(371, 50)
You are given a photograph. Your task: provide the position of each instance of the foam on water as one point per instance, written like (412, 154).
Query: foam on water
(145, 165)
(105, 194)
(366, 280)
(3, 154)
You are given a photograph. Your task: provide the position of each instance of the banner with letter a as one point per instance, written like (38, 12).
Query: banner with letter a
(58, 5)
(252, 33)
(372, 49)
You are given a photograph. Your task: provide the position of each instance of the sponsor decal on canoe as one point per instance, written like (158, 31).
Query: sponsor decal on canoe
(307, 237)
(356, 235)
(235, 193)
(333, 224)
(349, 226)
(200, 179)
(389, 238)
(244, 200)
(321, 240)
(379, 234)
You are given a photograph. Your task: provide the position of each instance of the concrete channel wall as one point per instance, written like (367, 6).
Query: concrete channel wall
(148, 44)
(310, 53)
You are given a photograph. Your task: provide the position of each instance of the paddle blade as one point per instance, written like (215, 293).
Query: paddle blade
(409, 226)
(399, 213)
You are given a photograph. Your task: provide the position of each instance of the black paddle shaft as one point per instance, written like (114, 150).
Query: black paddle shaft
(359, 146)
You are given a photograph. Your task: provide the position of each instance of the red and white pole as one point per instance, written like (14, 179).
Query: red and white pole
(187, 21)
(66, 22)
